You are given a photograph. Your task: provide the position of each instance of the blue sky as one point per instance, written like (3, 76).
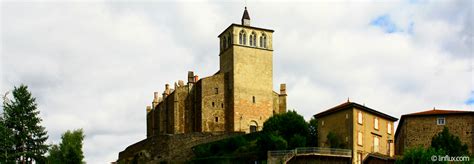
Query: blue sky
(96, 64)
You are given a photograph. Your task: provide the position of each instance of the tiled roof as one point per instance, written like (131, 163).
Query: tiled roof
(358, 106)
(438, 112)
(431, 112)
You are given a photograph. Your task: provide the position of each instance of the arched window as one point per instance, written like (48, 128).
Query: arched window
(263, 41)
(224, 42)
(242, 38)
(253, 39)
(229, 40)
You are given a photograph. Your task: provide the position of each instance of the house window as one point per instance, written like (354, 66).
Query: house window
(217, 90)
(441, 121)
(347, 116)
(359, 158)
(389, 128)
(217, 119)
(322, 122)
(253, 99)
(222, 105)
(359, 138)
(376, 123)
(359, 117)
(376, 144)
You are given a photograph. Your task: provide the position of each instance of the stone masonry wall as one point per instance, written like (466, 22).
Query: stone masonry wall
(174, 148)
(420, 130)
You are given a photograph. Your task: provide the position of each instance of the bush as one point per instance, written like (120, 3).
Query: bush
(420, 155)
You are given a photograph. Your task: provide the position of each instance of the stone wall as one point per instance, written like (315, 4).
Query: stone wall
(213, 103)
(419, 130)
(174, 148)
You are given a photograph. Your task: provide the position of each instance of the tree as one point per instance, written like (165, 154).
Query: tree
(335, 141)
(451, 144)
(313, 132)
(69, 150)
(286, 124)
(6, 143)
(28, 136)
(420, 155)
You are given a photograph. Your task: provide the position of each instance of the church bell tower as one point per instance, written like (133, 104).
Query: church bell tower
(246, 59)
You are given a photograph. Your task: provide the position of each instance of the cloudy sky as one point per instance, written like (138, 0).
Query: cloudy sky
(95, 64)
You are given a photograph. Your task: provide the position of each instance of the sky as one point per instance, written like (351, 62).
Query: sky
(95, 64)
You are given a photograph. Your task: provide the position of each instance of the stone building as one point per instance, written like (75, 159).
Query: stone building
(236, 100)
(367, 132)
(239, 97)
(417, 129)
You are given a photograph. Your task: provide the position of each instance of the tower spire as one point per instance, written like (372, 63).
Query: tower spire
(246, 18)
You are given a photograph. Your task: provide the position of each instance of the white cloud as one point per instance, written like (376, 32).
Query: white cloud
(96, 65)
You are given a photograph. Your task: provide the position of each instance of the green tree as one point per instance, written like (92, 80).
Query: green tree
(297, 141)
(335, 141)
(312, 132)
(451, 144)
(28, 136)
(69, 150)
(420, 155)
(6, 147)
(286, 124)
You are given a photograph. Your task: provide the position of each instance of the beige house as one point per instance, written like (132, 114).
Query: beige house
(364, 130)
(417, 129)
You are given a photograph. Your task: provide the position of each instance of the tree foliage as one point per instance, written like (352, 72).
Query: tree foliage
(312, 139)
(335, 141)
(6, 147)
(420, 155)
(21, 118)
(449, 143)
(286, 124)
(69, 150)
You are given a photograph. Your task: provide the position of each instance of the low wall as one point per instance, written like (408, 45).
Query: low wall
(169, 147)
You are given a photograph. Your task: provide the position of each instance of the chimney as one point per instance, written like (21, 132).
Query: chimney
(148, 109)
(283, 89)
(190, 77)
(155, 99)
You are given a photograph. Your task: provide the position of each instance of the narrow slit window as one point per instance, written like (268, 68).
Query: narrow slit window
(253, 99)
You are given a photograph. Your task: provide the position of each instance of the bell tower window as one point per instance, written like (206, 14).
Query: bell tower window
(253, 39)
(242, 38)
(224, 42)
(263, 41)
(229, 40)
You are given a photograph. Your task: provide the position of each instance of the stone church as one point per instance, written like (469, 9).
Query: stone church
(239, 97)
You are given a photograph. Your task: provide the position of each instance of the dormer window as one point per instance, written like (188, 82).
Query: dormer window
(253, 39)
(242, 38)
(263, 41)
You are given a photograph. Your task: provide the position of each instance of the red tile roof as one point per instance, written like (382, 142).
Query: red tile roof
(439, 112)
(358, 106)
(432, 112)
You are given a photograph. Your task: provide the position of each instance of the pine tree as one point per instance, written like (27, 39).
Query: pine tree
(28, 136)
(6, 143)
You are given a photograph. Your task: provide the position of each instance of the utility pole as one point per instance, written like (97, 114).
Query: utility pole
(5, 99)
